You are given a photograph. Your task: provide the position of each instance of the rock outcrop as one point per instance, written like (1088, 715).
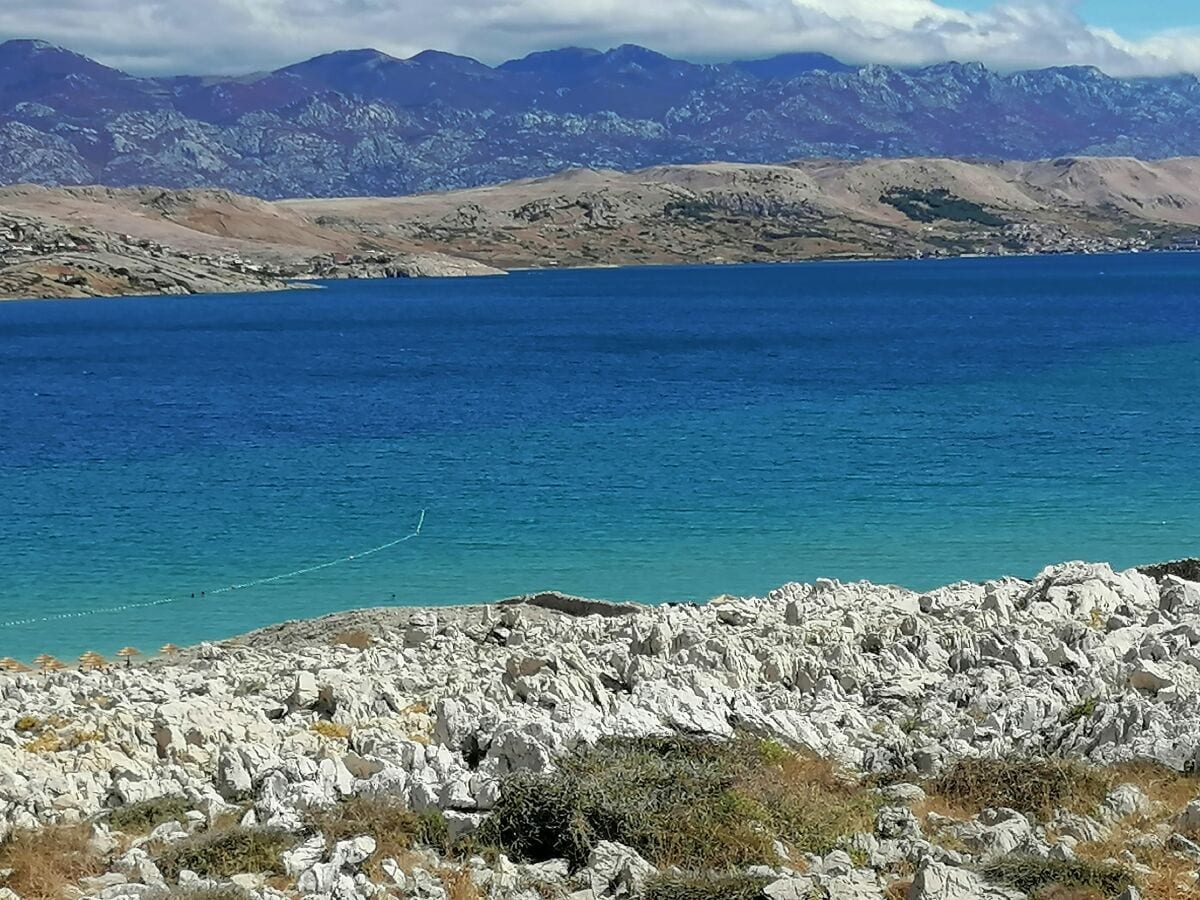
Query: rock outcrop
(437, 709)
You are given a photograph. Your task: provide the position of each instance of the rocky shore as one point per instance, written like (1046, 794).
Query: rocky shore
(844, 741)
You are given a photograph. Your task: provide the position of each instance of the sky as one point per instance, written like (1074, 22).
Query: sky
(1122, 37)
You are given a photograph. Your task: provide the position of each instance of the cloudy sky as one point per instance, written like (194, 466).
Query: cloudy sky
(219, 36)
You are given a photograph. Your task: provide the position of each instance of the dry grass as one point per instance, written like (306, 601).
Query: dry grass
(1037, 876)
(1029, 785)
(1172, 876)
(47, 862)
(459, 886)
(333, 731)
(1169, 790)
(355, 639)
(1039, 787)
(395, 827)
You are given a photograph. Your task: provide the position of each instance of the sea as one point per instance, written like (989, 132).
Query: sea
(178, 469)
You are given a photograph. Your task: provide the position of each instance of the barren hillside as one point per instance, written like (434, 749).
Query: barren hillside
(715, 212)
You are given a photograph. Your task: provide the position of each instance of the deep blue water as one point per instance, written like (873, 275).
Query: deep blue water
(657, 434)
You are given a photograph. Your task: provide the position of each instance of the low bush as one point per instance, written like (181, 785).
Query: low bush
(1058, 892)
(1032, 786)
(228, 852)
(705, 887)
(696, 804)
(145, 815)
(48, 862)
(1035, 875)
(1083, 710)
(396, 828)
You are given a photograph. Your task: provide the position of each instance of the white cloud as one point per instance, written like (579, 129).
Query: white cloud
(245, 35)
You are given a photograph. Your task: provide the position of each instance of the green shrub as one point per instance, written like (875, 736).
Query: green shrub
(705, 887)
(1030, 874)
(929, 206)
(145, 815)
(1032, 786)
(222, 854)
(1084, 710)
(696, 804)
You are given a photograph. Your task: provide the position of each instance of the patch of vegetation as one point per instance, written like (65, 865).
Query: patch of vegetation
(1029, 785)
(395, 827)
(459, 885)
(50, 741)
(1033, 874)
(221, 893)
(355, 639)
(334, 731)
(1084, 710)
(228, 852)
(1187, 569)
(146, 815)
(1057, 892)
(697, 804)
(939, 203)
(705, 887)
(47, 862)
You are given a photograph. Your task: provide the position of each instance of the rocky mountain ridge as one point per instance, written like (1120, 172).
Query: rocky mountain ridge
(361, 122)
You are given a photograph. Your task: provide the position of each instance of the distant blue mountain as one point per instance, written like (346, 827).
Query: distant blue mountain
(790, 65)
(361, 121)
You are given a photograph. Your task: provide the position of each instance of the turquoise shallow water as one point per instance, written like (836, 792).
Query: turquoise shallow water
(657, 434)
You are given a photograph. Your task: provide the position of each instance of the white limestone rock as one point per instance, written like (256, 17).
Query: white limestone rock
(614, 870)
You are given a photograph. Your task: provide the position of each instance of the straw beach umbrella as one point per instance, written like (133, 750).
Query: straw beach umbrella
(92, 660)
(168, 650)
(127, 654)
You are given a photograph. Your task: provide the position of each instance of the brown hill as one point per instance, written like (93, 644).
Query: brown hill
(715, 212)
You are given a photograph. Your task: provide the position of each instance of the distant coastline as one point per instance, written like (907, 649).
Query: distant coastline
(94, 242)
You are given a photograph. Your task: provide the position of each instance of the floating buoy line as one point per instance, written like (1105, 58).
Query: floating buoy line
(257, 582)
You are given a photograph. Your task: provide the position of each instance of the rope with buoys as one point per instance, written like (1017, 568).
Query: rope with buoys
(166, 601)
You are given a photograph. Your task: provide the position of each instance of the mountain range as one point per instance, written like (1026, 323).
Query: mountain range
(364, 123)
